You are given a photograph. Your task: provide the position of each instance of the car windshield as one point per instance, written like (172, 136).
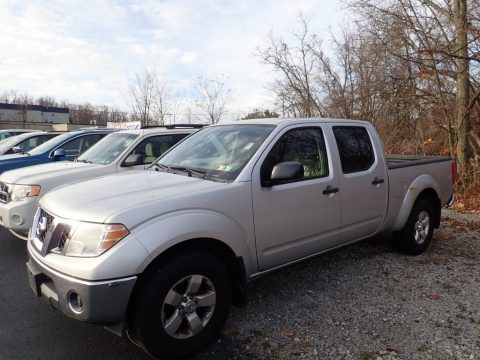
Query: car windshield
(5, 135)
(216, 153)
(108, 149)
(10, 142)
(48, 145)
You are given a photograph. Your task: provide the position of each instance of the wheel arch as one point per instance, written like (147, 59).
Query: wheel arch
(411, 198)
(234, 264)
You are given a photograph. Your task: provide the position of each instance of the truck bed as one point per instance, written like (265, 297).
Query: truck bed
(401, 161)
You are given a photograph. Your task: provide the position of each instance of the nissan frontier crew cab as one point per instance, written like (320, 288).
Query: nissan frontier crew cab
(166, 251)
(119, 151)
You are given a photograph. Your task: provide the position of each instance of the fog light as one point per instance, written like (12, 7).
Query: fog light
(75, 302)
(17, 220)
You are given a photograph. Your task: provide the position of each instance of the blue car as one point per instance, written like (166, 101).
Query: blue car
(62, 147)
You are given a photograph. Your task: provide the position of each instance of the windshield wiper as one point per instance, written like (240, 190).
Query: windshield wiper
(160, 167)
(190, 172)
(84, 161)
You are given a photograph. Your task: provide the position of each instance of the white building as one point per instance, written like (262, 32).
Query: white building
(28, 114)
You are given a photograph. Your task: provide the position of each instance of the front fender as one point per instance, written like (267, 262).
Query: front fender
(421, 183)
(161, 233)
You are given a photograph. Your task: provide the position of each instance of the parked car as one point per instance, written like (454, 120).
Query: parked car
(25, 142)
(12, 132)
(119, 151)
(63, 147)
(165, 252)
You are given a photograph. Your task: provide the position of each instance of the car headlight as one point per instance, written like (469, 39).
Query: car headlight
(21, 192)
(90, 240)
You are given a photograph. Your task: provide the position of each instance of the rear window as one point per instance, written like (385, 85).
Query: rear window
(354, 147)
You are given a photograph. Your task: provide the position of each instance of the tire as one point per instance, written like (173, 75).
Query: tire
(180, 305)
(416, 235)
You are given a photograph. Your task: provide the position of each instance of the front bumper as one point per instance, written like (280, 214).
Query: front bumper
(100, 302)
(18, 215)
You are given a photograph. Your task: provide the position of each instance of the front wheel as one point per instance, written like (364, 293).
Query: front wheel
(180, 305)
(415, 237)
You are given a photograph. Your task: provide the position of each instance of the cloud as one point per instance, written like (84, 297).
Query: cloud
(89, 51)
(188, 58)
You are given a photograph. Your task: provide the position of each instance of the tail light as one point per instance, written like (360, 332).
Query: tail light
(454, 171)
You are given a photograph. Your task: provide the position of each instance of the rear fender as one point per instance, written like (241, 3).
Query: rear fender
(420, 184)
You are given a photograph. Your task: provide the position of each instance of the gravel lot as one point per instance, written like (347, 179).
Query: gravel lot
(368, 301)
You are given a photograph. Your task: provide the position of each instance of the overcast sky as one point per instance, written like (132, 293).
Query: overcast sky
(90, 50)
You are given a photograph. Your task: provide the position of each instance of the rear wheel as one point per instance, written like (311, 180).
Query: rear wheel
(416, 235)
(180, 305)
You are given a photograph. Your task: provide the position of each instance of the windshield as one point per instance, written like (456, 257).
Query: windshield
(5, 135)
(48, 145)
(108, 149)
(218, 152)
(10, 142)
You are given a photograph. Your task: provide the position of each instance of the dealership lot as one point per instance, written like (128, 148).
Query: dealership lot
(364, 300)
(30, 329)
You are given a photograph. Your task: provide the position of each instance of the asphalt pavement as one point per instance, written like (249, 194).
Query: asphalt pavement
(31, 329)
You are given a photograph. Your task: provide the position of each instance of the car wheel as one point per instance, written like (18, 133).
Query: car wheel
(416, 235)
(180, 305)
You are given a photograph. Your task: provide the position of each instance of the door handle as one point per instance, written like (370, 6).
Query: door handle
(330, 190)
(377, 181)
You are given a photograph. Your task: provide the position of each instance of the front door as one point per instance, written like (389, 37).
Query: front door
(296, 218)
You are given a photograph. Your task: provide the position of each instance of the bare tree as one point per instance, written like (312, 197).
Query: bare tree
(82, 114)
(140, 97)
(297, 65)
(212, 97)
(164, 103)
(24, 101)
(47, 101)
(438, 40)
(8, 97)
(149, 98)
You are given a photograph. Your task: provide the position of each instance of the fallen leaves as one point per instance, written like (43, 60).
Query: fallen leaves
(433, 296)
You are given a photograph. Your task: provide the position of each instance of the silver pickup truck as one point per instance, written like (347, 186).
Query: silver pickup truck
(167, 251)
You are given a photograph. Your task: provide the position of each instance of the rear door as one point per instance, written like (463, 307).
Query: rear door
(363, 180)
(298, 218)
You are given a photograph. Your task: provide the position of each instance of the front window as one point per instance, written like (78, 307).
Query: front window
(217, 152)
(48, 145)
(303, 145)
(108, 149)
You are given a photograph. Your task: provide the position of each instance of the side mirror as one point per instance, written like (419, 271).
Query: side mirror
(59, 153)
(133, 160)
(285, 172)
(17, 149)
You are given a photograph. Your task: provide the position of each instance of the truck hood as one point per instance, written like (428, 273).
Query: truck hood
(98, 199)
(39, 174)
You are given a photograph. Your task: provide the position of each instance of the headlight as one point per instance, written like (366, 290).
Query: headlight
(21, 192)
(90, 240)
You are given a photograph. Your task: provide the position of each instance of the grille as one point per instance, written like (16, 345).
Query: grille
(50, 233)
(4, 196)
(44, 225)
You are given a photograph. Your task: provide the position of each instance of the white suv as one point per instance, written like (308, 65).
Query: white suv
(21, 189)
